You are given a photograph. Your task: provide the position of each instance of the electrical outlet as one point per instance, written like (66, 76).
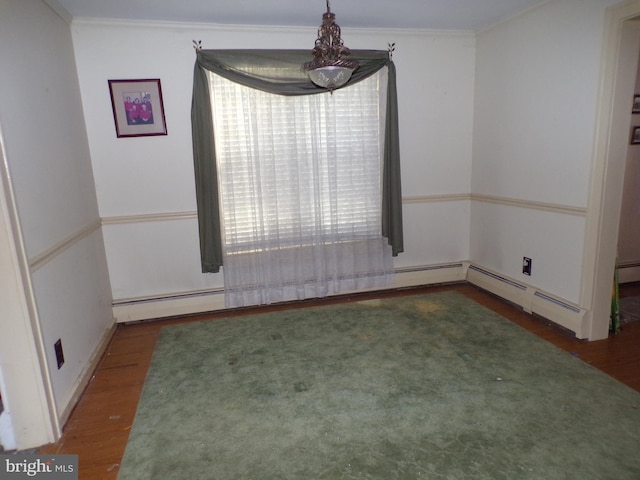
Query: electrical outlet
(59, 353)
(526, 266)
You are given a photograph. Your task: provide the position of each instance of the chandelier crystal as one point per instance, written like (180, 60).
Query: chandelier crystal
(330, 68)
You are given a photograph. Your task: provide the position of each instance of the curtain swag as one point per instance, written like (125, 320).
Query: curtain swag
(280, 72)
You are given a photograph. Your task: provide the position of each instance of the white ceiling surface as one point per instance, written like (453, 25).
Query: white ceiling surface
(409, 14)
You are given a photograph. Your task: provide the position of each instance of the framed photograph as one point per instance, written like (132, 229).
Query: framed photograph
(137, 107)
(636, 104)
(635, 135)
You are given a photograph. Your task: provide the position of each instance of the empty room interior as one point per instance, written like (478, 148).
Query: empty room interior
(517, 161)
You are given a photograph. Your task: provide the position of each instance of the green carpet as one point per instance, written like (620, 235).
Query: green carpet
(420, 387)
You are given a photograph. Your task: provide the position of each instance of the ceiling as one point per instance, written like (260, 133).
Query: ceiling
(412, 14)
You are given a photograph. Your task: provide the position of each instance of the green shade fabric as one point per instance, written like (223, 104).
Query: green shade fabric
(279, 72)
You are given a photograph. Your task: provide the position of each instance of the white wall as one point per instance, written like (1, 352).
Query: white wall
(535, 113)
(47, 153)
(145, 186)
(26, 419)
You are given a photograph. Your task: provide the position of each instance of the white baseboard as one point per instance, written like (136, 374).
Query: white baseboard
(529, 298)
(561, 312)
(85, 378)
(210, 301)
(629, 272)
(169, 306)
(504, 287)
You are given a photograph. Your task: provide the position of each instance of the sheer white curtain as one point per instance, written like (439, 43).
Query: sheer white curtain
(300, 191)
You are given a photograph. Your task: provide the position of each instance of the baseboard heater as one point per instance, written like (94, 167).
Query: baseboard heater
(629, 272)
(529, 298)
(149, 308)
(203, 301)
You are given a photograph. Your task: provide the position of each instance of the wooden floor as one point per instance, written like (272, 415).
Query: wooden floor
(99, 426)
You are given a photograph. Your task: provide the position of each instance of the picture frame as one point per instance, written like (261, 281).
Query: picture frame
(636, 104)
(138, 110)
(635, 135)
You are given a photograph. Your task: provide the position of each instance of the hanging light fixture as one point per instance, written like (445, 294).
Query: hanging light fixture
(331, 68)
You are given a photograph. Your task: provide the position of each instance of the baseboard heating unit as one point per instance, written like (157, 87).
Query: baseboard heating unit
(202, 301)
(529, 298)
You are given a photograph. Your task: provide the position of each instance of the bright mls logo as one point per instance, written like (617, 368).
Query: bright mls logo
(51, 467)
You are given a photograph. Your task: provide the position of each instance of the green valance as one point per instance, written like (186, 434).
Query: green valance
(280, 72)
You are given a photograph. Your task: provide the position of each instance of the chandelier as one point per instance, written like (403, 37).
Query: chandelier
(330, 68)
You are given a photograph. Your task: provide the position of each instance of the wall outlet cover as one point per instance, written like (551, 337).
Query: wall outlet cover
(526, 266)
(59, 353)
